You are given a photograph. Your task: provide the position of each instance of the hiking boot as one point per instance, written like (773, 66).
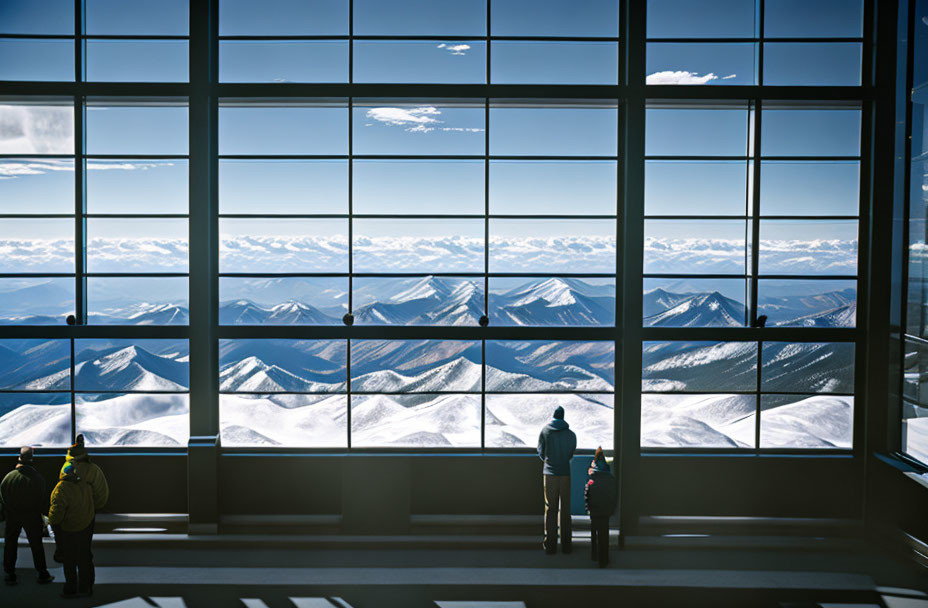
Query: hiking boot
(44, 578)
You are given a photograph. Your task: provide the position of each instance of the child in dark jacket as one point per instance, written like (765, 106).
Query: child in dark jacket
(601, 496)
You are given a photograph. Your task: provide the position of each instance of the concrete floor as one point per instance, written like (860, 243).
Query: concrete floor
(648, 572)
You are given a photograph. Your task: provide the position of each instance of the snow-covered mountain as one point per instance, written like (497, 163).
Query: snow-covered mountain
(427, 301)
(554, 301)
(700, 310)
(131, 368)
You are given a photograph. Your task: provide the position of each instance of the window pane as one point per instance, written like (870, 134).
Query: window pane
(136, 129)
(915, 372)
(568, 62)
(808, 247)
(304, 421)
(914, 431)
(285, 245)
(811, 132)
(423, 128)
(40, 301)
(137, 301)
(700, 18)
(553, 187)
(36, 185)
(700, 63)
(417, 301)
(37, 129)
(36, 59)
(696, 187)
(810, 188)
(697, 421)
(556, 301)
(30, 17)
(557, 131)
(808, 367)
(35, 364)
(415, 366)
(137, 61)
(599, 18)
(136, 186)
(420, 61)
(812, 64)
(420, 17)
(418, 245)
(698, 366)
(283, 186)
(694, 302)
(418, 186)
(415, 421)
(36, 419)
(134, 420)
(283, 61)
(137, 245)
(282, 366)
(697, 132)
(514, 421)
(283, 17)
(550, 366)
(695, 246)
(131, 365)
(823, 18)
(917, 279)
(165, 17)
(283, 300)
(808, 303)
(552, 246)
(308, 129)
(42, 245)
(806, 421)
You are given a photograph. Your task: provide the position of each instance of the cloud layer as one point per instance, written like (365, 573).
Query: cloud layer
(683, 77)
(36, 129)
(434, 254)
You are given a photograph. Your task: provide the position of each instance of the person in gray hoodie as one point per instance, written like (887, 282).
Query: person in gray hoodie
(556, 446)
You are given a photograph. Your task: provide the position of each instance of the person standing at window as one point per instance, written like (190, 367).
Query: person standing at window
(601, 496)
(70, 515)
(556, 446)
(23, 499)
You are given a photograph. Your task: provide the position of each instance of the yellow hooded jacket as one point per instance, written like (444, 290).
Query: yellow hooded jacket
(90, 473)
(72, 502)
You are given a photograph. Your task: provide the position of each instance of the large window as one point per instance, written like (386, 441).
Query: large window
(416, 224)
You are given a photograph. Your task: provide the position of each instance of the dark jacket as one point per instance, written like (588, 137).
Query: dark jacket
(72, 504)
(22, 493)
(601, 494)
(556, 446)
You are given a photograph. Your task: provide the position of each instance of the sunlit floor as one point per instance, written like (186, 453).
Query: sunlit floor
(641, 575)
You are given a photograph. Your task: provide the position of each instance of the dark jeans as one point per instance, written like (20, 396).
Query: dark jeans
(599, 528)
(33, 527)
(78, 560)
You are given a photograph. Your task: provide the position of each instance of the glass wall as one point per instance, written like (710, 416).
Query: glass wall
(94, 225)
(419, 212)
(914, 440)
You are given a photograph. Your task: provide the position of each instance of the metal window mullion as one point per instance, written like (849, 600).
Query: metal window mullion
(760, 45)
(755, 166)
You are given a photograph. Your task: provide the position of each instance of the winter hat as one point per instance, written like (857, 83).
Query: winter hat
(599, 462)
(25, 454)
(559, 413)
(78, 451)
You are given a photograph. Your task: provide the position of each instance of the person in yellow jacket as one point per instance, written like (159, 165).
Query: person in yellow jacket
(89, 472)
(70, 516)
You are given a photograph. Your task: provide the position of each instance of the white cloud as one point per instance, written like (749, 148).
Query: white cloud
(14, 169)
(422, 119)
(455, 49)
(679, 77)
(36, 129)
(729, 77)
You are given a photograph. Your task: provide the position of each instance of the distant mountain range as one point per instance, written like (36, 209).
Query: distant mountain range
(446, 301)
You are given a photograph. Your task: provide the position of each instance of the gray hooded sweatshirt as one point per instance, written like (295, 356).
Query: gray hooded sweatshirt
(556, 446)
